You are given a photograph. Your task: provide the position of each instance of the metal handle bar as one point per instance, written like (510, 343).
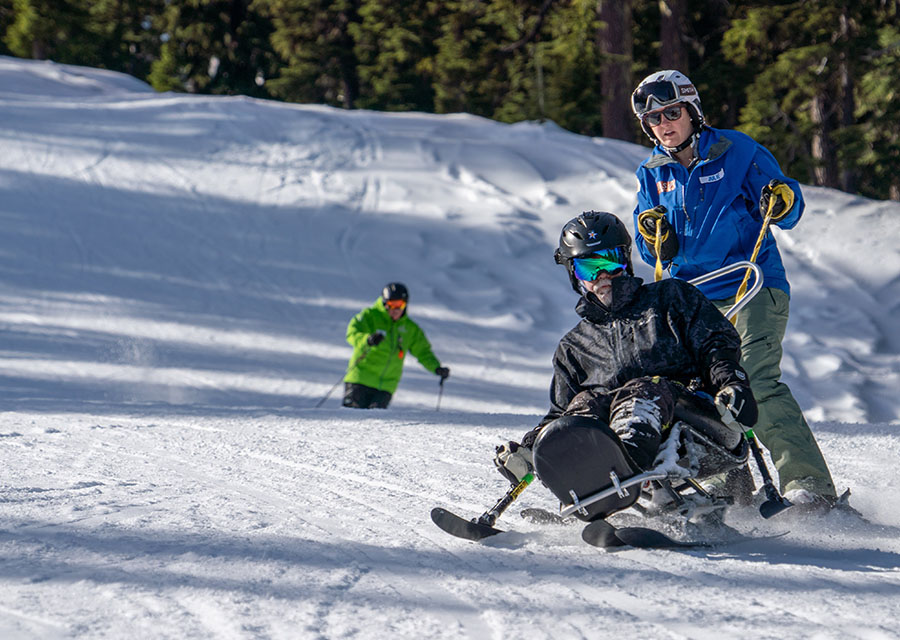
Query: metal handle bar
(743, 264)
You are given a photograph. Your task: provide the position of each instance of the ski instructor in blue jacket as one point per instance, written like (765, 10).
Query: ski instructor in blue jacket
(701, 202)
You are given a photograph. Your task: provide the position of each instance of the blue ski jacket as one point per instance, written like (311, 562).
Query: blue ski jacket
(714, 209)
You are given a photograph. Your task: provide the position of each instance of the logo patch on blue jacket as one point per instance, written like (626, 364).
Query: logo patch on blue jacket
(665, 185)
(713, 178)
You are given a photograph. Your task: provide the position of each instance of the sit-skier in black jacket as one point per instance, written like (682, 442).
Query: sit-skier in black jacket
(635, 344)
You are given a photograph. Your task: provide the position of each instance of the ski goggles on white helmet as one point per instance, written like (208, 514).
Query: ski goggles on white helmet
(608, 261)
(652, 95)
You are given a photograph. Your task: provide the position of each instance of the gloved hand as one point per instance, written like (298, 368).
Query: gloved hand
(647, 221)
(376, 338)
(737, 406)
(514, 461)
(443, 372)
(783, 199)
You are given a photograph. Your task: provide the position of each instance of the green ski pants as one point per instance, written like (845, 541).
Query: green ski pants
(781, 426)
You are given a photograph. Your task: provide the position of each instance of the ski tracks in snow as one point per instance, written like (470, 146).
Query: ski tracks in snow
(262, 526)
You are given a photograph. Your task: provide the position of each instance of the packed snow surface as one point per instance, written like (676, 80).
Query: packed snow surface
(177, 276)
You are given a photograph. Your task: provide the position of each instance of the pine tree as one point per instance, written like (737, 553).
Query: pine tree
(128, 34)
(6, 19)
(395, 47)
(469, 74)
(574, 95)
(790, 102)
(52, 29)
(314, 41)
(214, 46)
(875, 140)
(514, 60)
(811, 64)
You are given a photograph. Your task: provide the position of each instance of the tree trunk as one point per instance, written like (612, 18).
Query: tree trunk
(848, 102)
(822, 147)
(38, 50)
(673, 51)
(616, 84)
(347, 61)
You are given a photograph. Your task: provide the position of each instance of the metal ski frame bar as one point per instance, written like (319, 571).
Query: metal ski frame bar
(667, 467)
(620, 488)
(744, 300)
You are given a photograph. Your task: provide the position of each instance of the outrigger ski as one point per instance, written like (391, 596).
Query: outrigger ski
(460, 527)
(599, 533)
(602, 534)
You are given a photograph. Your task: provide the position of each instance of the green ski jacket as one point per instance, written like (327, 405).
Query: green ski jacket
(382, 366)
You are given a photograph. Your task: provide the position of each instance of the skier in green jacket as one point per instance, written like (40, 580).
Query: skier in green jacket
(381, 335)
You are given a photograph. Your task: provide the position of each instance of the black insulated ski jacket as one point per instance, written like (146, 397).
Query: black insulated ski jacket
(667, 329)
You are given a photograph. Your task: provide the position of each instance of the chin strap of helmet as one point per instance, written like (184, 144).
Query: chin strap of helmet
(691, 139)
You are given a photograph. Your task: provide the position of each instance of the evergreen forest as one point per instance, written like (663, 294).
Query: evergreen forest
(816, 81)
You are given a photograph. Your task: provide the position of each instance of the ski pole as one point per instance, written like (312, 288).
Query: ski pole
(775, 503)
(440, 393)
(349, 369)
(490, 516)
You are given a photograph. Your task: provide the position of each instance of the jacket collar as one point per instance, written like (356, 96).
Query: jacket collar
(623, 293)
(711, 144)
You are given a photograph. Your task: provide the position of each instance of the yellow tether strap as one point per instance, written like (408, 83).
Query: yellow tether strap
(657, 273)
(762, 234)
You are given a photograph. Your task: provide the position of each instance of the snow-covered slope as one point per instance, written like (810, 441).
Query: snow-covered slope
(177, 275)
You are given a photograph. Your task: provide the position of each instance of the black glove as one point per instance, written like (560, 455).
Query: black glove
(647, 222)
(514, 461)
(443, 372)
(734, 400)
(783, 199)
(375, 339)
(736, 404)
(724, 369)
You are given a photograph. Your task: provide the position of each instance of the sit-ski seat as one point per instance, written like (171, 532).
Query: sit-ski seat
(583, 462)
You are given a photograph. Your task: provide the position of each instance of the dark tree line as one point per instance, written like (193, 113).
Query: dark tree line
(816, 81)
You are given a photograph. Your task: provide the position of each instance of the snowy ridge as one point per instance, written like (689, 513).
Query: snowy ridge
(178, 272)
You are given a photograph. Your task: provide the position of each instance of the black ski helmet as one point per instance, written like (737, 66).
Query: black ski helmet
(395, 291)
(589, 233)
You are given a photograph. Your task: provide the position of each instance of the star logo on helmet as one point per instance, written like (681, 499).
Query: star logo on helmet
(592, 235)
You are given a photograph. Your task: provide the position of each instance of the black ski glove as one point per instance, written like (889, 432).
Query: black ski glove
(647, 222)
(783, 199)
(724, 369)
(443, 372)
(375, 339)
(734, 399)
(737, 406)
(513, 461)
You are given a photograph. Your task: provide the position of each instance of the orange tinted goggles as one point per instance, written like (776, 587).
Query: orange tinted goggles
(395, 304)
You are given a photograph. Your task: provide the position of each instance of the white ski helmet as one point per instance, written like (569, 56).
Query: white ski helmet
(663, 88)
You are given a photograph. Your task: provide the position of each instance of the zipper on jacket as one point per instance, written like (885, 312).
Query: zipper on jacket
(388, 361)
(684, 202)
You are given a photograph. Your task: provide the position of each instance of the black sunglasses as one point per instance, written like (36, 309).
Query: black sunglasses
(672, 114)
